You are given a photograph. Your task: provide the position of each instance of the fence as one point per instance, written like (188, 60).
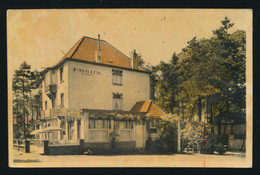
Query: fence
(63, 149)
(21, 145)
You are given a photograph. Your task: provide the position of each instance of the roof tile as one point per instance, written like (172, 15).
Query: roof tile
(85, 50)
(148, 107)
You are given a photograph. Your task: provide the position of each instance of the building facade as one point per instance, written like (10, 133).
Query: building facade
(98, 94)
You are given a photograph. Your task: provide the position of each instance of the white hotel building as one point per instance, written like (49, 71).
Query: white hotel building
(91, 92)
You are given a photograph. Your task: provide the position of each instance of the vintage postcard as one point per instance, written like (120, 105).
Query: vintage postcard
(130, 87)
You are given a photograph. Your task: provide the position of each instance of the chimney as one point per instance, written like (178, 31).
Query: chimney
(98, 56)
(98, 43)
(134, 60)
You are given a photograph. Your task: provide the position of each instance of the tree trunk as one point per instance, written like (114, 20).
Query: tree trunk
(23, 107)
(225, 127)
(172, 103)
(27, 116)
(31, 105)
(37, 113)
(199, 108)
(178, 112)
(182, 110)
(210, 110)
(219, 128)
(17, 110)
(206, 110)
(211, 115)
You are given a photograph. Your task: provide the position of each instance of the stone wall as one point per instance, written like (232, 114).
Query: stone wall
(63, 149)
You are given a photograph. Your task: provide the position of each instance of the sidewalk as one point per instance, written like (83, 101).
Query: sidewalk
(36, 159)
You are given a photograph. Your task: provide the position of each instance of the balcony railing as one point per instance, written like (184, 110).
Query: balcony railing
(59, 112)
(45, 114)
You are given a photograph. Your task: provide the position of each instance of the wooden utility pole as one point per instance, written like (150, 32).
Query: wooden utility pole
(179, 136)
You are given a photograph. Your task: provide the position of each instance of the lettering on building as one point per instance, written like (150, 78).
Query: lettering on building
(86, 71)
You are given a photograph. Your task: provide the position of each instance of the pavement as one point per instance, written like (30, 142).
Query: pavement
(36, 159)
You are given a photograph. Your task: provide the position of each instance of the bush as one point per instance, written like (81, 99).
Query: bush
(220, 148)
(152, 146)
(167, 142)
(196, 136)
(207, 146)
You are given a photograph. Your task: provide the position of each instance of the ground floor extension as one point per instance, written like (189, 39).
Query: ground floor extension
(100, 130)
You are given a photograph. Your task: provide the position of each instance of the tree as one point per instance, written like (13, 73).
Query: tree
(206, 78)
(37, 98)
(34, 99)
(24, 82)
(21, 85)
(167, 83)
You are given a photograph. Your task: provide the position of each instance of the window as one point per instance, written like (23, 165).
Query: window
(124, 124)
(62, 100)
(128, 124)
(117, 77)
(117, 101)
(153, 130)
(98, 124)
(91, 124)
(37, 127)
(61, 74)
(153, 123)
(54, 136)
(45, 105)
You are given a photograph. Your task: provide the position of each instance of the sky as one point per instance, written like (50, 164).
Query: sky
(42, 37)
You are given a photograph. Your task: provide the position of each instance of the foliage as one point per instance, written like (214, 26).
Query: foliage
(220, 148)
(166, 84)
(194, 133)
(207, 146)
(25, 101)
(140, 61)
(167, 142)
(208, 73)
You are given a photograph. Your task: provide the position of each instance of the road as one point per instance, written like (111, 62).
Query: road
(35, 159)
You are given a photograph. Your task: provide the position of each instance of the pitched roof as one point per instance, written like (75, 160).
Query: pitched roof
(85, 50)
(148, 107)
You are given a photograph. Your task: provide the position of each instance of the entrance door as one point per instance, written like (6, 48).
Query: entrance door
(139, 136)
